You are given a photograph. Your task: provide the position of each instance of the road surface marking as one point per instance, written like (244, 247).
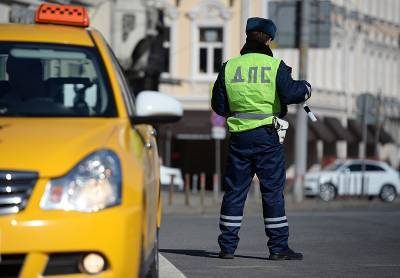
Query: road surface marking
(168, 270)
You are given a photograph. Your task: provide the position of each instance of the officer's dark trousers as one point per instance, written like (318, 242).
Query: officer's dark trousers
(257, 151)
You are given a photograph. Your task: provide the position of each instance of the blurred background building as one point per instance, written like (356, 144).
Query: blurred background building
(354, 50)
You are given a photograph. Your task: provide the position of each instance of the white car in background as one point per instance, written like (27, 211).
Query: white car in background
(165, 177)
(345, 178)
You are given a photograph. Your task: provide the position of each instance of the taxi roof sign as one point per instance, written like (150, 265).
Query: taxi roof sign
(62, 15)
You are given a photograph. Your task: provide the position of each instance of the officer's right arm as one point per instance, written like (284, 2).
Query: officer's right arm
(291, 91)
(219, 99)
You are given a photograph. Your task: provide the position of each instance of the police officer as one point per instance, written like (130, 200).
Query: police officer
(250, 91)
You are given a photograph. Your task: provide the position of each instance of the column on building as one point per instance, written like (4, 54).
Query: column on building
(4, 13)
(207, 40)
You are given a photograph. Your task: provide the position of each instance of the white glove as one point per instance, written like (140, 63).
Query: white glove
(281, 126)
(309, 89)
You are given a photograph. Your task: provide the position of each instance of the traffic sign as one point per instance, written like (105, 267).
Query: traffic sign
(367, 105)
(368, 100)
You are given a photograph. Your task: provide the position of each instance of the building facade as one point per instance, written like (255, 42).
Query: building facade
(363, 57)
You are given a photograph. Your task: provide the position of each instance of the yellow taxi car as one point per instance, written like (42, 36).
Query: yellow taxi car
(79, 171)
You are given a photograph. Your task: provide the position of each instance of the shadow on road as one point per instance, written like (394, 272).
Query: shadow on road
(204, 253)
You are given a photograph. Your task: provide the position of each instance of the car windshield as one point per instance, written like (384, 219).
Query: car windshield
(43, 80)
(333, 166)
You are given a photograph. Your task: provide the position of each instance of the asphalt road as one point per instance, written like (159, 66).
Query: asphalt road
(335, 244)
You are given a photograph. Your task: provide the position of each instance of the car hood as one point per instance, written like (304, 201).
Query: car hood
(50, 146)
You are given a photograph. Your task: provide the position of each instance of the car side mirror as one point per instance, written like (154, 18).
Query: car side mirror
(153, 107)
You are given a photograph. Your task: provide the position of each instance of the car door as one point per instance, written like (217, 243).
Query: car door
(354, 179)
(149, 163)
(376, 178)
(344, 183)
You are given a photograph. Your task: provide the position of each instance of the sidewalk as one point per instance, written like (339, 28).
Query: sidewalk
(253, 204)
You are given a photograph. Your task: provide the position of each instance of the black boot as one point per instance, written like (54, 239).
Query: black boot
(223, 255)
(287, 255)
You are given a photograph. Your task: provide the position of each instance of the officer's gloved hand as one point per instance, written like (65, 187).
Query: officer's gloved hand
(309, 89)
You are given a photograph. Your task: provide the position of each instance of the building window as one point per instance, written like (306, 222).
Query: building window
(166, 67)
(210, 50)
(128, 25)
(398, 41)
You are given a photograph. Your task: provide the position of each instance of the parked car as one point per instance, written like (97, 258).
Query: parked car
(345, 177)
(79, 167)
(165, 177)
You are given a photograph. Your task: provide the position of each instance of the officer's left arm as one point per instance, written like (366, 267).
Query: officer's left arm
(291, 91)
(219, 99)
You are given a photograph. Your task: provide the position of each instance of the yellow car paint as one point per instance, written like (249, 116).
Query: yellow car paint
(45, 34)
(124, 234)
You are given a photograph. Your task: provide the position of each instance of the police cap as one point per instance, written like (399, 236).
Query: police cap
(259, 24)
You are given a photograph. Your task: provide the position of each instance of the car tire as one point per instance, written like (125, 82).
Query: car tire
(388, 193)
(327, 192)
(154, 269)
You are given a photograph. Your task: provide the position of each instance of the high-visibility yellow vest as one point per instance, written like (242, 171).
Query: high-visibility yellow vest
(250, 82)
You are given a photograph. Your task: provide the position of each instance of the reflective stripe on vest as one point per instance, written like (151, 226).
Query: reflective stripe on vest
(250, 82)
(242, 115)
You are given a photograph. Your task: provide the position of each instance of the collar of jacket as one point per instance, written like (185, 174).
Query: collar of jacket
(255, 47)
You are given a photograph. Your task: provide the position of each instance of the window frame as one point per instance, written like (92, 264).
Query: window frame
(354, 164)
(126, 91)
(378, 168)
(209, 13)
(210, 46)
(171, 24)
(167, 45)
(210, 50)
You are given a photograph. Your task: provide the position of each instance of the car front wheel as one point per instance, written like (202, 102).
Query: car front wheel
(388, 193)
(327, 192)
(155, 265)
(152, 269)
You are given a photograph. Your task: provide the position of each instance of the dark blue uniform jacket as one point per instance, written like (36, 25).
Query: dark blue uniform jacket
(290, 91)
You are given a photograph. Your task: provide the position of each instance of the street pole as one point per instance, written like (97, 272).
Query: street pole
(218, 133)
(217, 166)
(378, 123)
(301, 117)
(365, 142)
(113, 3)
(168, 145)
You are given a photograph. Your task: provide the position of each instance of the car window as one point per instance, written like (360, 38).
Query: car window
(371, 167)
(355, 167)
(53, 81)
(126, 90)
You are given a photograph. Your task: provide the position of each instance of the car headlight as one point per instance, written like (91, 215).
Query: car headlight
(92, 185)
